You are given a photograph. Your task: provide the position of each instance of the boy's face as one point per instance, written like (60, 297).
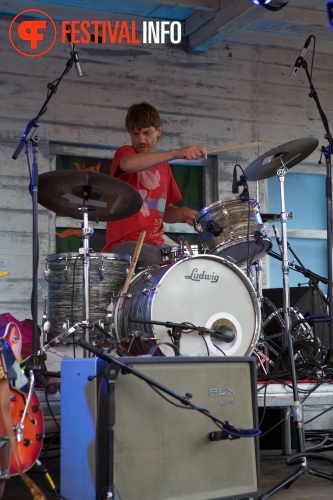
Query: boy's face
(145, 140)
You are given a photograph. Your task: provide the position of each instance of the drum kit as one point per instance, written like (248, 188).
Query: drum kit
(206, 302)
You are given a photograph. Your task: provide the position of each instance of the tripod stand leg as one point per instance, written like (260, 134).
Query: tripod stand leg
(284, 484)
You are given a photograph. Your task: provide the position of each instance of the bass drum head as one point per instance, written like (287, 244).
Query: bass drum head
(206, 291)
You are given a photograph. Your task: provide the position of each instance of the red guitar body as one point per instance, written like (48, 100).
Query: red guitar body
(29, 443)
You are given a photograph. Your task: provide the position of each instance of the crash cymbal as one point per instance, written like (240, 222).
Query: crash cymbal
(291, 153)
(63, 192)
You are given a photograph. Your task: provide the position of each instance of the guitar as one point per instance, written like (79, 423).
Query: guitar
(25, 411)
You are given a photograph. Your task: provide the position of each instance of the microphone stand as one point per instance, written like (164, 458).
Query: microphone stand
(111, 372)
(329, 206)
(176, 331)
(30, 136)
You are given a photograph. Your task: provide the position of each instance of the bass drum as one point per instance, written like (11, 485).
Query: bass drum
(206, 291)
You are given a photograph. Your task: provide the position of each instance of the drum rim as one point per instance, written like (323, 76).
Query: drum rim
(231, 199)
(71, 255)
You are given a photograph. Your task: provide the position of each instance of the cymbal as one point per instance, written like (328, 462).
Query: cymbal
(291, 153)
(62, 191)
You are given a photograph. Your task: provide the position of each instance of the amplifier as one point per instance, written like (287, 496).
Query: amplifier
(162, 449)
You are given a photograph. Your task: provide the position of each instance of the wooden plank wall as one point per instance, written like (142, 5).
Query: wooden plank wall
(232, 94)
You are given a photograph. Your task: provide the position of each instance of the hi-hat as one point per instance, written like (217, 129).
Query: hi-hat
(291, 153)
(65, 191)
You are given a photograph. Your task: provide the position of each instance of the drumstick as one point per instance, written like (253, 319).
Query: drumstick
(132, 267)
(190, 251)
(232, 148)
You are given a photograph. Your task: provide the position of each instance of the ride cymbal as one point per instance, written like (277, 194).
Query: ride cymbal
(65, 191)
(291, 153)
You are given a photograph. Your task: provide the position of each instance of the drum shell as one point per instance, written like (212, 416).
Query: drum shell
(169, 294)
(234, 219)
(108, 274)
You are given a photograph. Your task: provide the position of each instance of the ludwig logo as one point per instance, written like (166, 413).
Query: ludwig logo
(199, 276)
(32, 37)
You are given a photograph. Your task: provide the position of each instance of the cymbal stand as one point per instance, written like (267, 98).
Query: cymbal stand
(296, 409)
(85, 254)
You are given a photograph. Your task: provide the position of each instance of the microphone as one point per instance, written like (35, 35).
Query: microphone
(235, 188)
(74, 54)
(300, 57)
(278, 239)
(224, 333)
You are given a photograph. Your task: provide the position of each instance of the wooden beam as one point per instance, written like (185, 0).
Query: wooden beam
(232, 16)
(194, 4)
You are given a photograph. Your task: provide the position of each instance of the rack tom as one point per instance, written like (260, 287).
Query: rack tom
(233, 229)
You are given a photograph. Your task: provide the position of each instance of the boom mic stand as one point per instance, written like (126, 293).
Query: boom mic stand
(30, 136)
(328, 153)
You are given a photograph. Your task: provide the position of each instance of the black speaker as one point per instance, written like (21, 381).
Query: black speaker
(162, 449)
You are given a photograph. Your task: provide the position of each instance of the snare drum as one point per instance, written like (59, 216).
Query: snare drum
(204, 290)
(233, 229)
(64, 273)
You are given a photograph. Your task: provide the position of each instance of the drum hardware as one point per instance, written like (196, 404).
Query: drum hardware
(269, 163)
(274, 217)
(276, 162)
(139, 344)
(181, 242)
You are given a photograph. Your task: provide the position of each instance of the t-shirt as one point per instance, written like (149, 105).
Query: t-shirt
(157, 188)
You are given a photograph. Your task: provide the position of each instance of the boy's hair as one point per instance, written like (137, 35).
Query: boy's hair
(142, 115)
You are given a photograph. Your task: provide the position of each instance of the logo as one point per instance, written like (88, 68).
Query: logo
(33, 33)
(196, 276)
(32, 37)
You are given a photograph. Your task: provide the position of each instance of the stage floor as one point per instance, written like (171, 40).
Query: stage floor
(273, 470)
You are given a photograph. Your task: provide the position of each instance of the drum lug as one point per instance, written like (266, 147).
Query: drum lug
(101, 272)
(67, 273)
(125, 295)
(47, 274)
(147, 291)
